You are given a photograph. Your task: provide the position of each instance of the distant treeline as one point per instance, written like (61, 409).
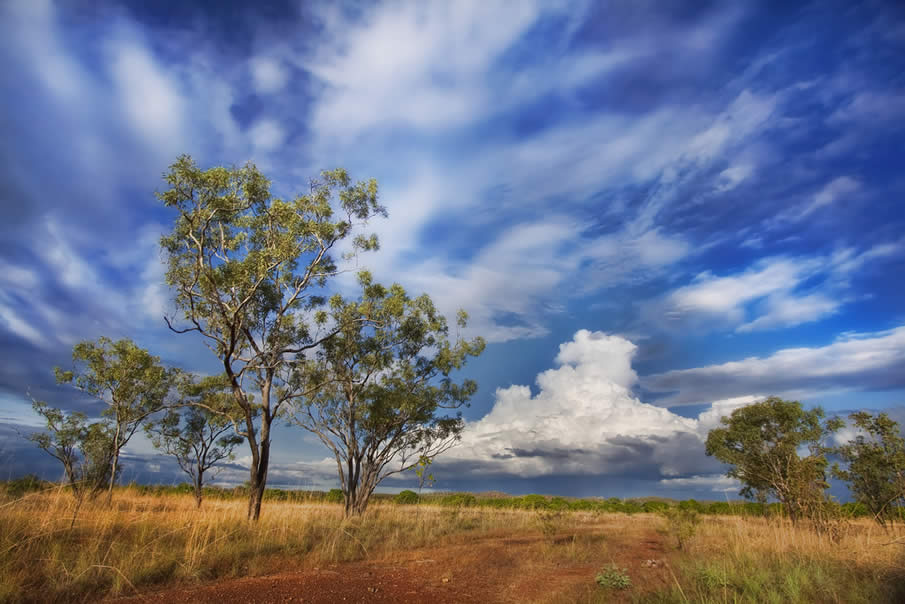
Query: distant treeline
(22, 486)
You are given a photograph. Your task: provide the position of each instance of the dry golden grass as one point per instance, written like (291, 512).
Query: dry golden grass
(48, 546)
(50, 551)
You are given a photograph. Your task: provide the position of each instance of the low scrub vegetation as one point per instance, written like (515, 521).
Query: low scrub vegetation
(53, 550)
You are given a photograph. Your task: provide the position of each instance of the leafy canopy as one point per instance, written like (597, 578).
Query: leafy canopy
(383, 378)
(761, 444)
(875, 464)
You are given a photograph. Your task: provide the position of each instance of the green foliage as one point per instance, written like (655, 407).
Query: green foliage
(534, 502)
(458, 500)
(85, 449)
(875, 461)
(613, 577)
(761, 441)
(247, 272)
(681, 524)
(197, 437)
(383, 385)
(756, 577)
(129, 380)
(691, 504)
(550, 520)
(406, 497)
(422, 471)
(654, 507)
(334, 496)
(24, 485)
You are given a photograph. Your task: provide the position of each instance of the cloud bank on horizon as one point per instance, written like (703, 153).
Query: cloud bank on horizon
(699, 203)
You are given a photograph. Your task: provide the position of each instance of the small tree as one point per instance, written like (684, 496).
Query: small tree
(128, 379)
(761, 442)
(85, 449)
(387, 372)
(875, 462)
(246, 269)
(198, 438)
(422, 471)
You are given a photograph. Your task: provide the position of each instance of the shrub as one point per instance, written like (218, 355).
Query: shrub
(691, 504)
(535, 502)
(27, 484)
(613, 577)
(459, 500)
(550, 521)
(681, 524)
(334, 496)
(654, 507)
(406, 497)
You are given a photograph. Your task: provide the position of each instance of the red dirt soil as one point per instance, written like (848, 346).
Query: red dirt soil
(485, 570)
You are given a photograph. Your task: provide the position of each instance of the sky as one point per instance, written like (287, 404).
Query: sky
(654, 212)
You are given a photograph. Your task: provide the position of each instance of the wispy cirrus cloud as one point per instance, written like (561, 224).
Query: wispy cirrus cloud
(857, 361)
(773, 292)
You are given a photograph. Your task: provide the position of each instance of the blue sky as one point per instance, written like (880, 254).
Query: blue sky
(653, 211)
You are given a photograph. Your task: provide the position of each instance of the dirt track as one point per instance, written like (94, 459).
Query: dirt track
(486, 570)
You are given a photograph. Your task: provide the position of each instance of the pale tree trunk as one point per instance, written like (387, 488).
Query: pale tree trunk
(258, 481)
(114, 465)
(358, 490)
(199, 477)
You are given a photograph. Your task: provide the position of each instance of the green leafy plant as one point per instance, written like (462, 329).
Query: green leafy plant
(761, 444)
(550, 521)
(334, 496)
(406, 497)
(681, 524)
(875, 465)
(613, 577)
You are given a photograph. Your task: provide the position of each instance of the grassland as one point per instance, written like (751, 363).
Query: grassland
(53, 551)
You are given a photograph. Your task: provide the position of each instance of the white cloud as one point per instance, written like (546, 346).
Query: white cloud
(733, 176)
(843, 187)
(267, 135)
(782, 310)
(725, 298)
(17, 276)
(718, 483)
(150, 97)
(868, 361)
(268, 75)
(416, 64)
(38, 37)
(585, 420)
(19, 326)
(774, 292)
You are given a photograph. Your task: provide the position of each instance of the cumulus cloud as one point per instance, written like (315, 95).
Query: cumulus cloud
(585, 419)
(859, 361)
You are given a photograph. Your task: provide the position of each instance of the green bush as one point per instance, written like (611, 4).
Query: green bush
(654, 507)
(691, 504)
(681, 524)
(613, 577)
(535, 502)
(459, 500)
(406, 497)
(334, 496)
(22, 486)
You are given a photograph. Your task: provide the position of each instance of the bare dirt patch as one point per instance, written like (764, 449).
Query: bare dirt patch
(529, 568)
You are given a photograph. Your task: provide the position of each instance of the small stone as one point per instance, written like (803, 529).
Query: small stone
(446, 579)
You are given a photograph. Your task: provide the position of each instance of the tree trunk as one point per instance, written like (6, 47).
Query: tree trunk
(198, 485)
(358, 493)
(113, 465)
(258, 480)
